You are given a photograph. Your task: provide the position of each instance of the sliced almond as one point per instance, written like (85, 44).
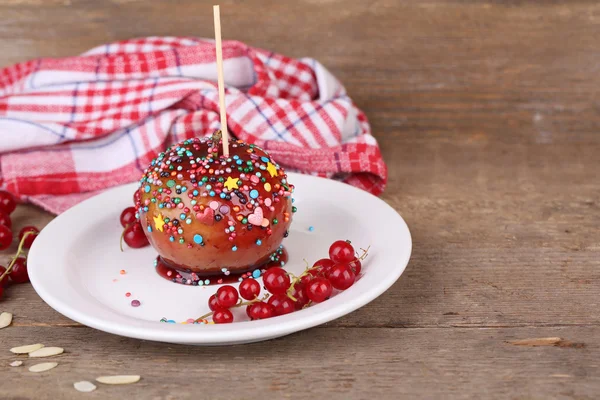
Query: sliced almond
(118, 379)
(5, 319)
(16, 363)
(84, 386)
(47, 352)
(47, 366)
(26, 349)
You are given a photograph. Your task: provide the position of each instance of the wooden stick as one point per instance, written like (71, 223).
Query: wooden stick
(220, 81)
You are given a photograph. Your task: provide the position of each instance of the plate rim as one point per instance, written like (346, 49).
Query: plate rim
(215, 334)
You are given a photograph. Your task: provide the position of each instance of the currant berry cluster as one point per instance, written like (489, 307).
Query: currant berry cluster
(16, 272)
(133, 233)
(288, 293)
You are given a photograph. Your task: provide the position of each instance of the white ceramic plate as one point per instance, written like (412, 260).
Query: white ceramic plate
(75, 265)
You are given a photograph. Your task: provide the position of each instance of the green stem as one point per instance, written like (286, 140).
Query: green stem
(19, 251)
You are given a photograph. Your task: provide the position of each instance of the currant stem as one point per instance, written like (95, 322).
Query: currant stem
(123, 235)
(239, 304)
(19, 251)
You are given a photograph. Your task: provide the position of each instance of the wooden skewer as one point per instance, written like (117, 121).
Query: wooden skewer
(220, 81)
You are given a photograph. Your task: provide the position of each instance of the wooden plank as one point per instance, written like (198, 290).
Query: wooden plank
(487, 116)
(348, 363)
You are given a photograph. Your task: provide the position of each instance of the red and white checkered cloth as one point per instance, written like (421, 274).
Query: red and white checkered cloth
(72, 127)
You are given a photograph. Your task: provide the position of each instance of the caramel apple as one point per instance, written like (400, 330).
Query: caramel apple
(206, 214)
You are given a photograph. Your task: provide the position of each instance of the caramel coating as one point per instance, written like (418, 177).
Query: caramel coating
(202, 212)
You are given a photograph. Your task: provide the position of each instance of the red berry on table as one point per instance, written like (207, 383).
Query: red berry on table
(356, 266)
(276, 280)
(261, 310)
(19, 272)
(6, 237)
(30, 238)
(7, 202)
(341, 251)
(127, 217)
(227, 296)
(222, 316)
(4, 281)
(298, 292)
(319, 289)
(249, 289)
(5, 220)
(323, 265)
(309, 275)
(134, 236)
(341, 276)
(281, 304)
(212, 303)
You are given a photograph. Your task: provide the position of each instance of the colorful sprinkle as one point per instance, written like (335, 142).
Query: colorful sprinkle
(135, 303)
(198, 239)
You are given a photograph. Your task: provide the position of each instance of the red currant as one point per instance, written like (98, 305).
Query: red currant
(261, 310)
(299, 293)
(134, 236)
(341, 276)
(341, 251)
(276, 280)
(249, 310)
(6, 237)
(4, 281)
(212, 303)
(319, 289)
(227, 296)
(249, 289)
(309, 275)
(5, 220)
(127, 217)
(7, 202)
(356, 266)
(281, 304)
(19, 272)
(222, 316)
(30, 238)
(324, 265)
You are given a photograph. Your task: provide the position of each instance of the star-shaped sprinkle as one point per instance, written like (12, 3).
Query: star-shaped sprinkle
(231, 183)
(159, 222)
(272, 170)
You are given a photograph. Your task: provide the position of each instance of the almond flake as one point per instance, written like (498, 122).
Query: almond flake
(47, 366)
(5, 319)
(118, 379)
(47, 352)
(26, 349)
(16, 363)
(84, 386)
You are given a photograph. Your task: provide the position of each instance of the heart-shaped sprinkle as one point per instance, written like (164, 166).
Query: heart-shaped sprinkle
(257, 217)
(207, 217)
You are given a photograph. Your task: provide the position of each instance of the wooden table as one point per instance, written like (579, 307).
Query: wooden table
(488, 117)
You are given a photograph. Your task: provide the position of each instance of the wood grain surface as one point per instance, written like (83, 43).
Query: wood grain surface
(488, 117)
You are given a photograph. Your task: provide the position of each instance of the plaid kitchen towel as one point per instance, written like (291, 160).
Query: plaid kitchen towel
(72, 127)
